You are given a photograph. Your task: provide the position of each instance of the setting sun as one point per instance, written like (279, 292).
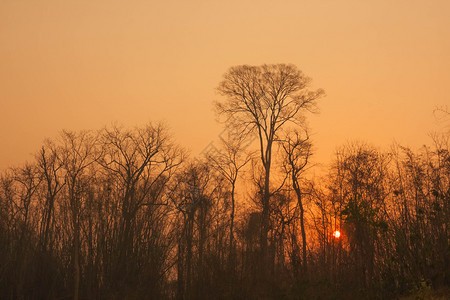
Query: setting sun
(337, 234)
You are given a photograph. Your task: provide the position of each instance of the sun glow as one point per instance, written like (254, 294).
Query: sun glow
(337, 234)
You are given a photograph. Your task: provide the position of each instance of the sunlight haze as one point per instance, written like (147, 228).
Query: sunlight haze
(74, 65)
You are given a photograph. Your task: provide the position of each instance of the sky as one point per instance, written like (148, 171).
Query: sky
(385, 66)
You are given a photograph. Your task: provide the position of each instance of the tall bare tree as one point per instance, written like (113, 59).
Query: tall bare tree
(264, 99)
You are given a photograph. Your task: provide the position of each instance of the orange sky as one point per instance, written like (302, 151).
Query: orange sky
(384, 64)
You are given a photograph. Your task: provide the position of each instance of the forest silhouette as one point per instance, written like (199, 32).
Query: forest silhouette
(126, 213)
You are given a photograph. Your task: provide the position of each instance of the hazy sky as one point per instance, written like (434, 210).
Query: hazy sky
(385, 65)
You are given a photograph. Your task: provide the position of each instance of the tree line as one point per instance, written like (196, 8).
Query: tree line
(125, 213)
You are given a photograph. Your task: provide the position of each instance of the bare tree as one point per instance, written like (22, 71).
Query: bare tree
(49, 165)
(77, 153)
(141, 162)
(27, 182)
(229, 161)
(197, 196)
(264, 99)
(297, 150)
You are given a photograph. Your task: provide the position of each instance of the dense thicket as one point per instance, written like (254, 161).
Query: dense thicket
(125, 214)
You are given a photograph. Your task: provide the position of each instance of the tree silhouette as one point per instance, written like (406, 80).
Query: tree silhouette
(264, 99)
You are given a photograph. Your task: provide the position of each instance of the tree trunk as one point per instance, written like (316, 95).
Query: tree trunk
(231, 253)
(302, 222)
(76, 263)
(265, 226)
